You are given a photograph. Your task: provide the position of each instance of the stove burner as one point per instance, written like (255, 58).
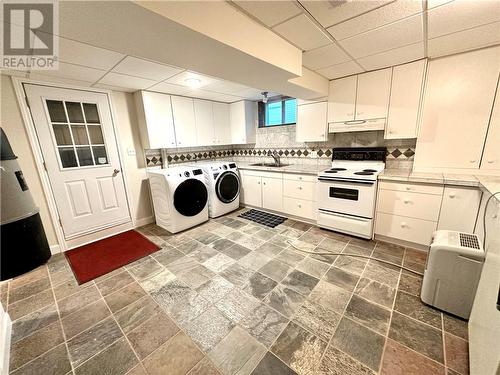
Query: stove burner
(363, 173)
(369, 170)
(330, 171)
(338, 169)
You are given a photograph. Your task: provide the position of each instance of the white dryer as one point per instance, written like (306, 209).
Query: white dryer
(223, 183)
(180, 197)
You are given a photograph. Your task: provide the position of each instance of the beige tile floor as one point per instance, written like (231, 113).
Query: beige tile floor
(233, 297)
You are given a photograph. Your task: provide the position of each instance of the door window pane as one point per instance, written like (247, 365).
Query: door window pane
(56, 111)
(91, 114)
(80, 134)
(68, 158)
(84, 156)
(63, 136)
(95, 133)
(100, 155)
(74, 112)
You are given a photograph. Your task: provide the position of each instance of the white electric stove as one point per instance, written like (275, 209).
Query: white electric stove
(347, 191)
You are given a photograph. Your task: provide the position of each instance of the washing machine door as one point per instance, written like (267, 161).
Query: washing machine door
(190, 197)
(227, 187)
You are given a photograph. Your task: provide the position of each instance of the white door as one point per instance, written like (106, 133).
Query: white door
(78, 143)
(311, 122)
(222, 124)
(342, 99)
(372, 97)
(204, 122)
(272, 193)
(184, 121)
(404, 104)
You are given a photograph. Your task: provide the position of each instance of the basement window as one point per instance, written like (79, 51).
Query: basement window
(279, 110)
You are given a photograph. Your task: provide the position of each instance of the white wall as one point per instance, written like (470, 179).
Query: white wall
(128, 133)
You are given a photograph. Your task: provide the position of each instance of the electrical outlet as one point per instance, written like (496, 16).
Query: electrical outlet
(130, 151)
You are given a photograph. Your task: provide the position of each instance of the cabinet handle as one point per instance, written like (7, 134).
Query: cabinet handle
(300, 187)
(300, 178)
(472, 161)
(494, 216)
(263, 183)
(403, 224)
(391, 131)
(407, 201)
(258, 183)
(452, 195)
(408, 188)
(299, 206)
(491, 161)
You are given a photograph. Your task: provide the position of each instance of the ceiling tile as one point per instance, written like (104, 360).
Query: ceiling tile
(54, 79)
(202, 94)
(302, 32)
(393, 57)
(76, 72)
(477, 37)
(225, 87)
(85, 54)
(324, 56)
(227, 98)
(125, 81)
(378, 17)
(329, 13)
(113, 88)
(341, 70)
(145, 69)
(169, 88)
(395, 35)
(270, 12)
(180, 79)
(248, 93)
(460, 15)
(435, 3)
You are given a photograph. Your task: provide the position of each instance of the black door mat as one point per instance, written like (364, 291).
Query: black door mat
(263, 218)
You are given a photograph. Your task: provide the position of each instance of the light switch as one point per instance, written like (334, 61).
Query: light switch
(131, 151)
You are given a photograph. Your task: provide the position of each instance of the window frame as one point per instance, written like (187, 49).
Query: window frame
(262, 110)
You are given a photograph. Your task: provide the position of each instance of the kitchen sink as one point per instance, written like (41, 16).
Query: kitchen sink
(269, 165)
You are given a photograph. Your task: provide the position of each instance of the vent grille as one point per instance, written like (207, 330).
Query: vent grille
(469, 240)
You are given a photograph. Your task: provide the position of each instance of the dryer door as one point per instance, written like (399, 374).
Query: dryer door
(190, 197)
(227, 187)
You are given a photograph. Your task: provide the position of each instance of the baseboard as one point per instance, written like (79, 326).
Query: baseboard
(143, 221)
(5, 337)
(55, 249)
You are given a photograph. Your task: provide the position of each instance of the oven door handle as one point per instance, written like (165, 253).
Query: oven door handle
(363, 182)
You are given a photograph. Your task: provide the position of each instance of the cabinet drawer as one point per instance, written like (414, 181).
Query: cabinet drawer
(417, 188)
(415, 205)
(299, 189)
(300, 177)
(260, 173)
(405, 228)
(300, 208)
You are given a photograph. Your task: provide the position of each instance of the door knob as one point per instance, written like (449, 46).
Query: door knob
(116, 171)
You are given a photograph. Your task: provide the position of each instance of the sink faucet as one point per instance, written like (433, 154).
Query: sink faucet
(275, 156)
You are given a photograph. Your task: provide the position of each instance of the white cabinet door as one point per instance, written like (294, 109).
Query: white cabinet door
(156, 124)
(372, 97)
(342, 99)
(491, 154)
(311, 122)
(205, 134)
(272, 193)
(222, 124)
(404, 104)
(242, 117)
(459, 209)
(459, 95)
(251, 190)
(184, 121)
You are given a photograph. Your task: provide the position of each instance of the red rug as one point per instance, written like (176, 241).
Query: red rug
(98, 258)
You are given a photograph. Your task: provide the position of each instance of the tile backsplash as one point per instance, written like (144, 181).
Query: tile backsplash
(282, 140)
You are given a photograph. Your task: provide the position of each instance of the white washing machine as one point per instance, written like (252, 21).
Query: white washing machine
(180, 197)
(223, 183)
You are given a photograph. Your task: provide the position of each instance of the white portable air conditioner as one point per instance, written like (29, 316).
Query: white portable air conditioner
(452, 272)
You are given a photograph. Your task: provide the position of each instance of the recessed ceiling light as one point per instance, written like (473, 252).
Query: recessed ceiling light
(193, 82)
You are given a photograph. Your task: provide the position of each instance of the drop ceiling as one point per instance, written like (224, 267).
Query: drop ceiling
(340, 38)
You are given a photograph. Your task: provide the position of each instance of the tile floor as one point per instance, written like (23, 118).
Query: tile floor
(232, 297)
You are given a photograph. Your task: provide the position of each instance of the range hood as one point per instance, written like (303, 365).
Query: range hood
(357, 125)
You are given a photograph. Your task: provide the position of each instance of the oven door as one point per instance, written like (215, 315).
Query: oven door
(350, 197)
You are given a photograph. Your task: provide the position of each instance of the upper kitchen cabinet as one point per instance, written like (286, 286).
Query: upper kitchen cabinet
(222, 123)
(459, 95)
(184, 121)
(342, 99)
(204, 119)
(491, 154)
(404, 103)
(242, 119)
(156, 123)
(372, 96)
(312, 123)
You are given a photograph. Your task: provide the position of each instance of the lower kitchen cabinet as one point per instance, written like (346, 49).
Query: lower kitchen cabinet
(272, 193)
(459, 208)
(405, 228)
(251, 190)
(300, 207)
